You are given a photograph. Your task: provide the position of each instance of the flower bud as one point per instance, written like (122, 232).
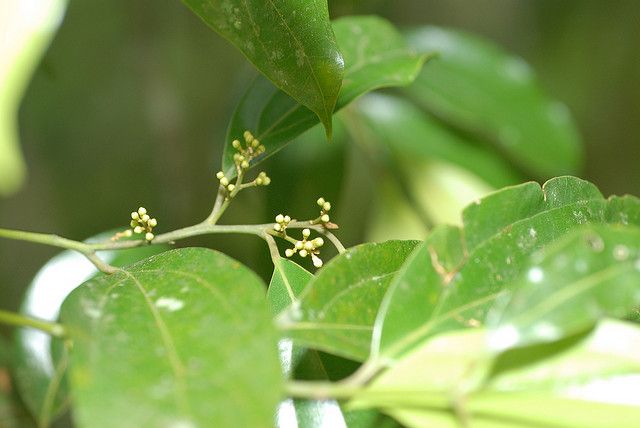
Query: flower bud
(306, 233)
(318, 242)
(289, 252)
(317, 261)
(149, 236)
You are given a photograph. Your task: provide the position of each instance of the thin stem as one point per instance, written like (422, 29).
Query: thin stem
(218, 206)
(335, 241)
(12, 318)
(316, 390)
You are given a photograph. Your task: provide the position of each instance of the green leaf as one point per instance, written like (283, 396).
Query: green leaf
(29, 34)
(375, 56)
(287, 282)
(289, 41)
(590, 380)
(40, 361)
(181, 338)
(455, 277)
(336, 311)
(476, 86)
(568, 286)
(411, 133)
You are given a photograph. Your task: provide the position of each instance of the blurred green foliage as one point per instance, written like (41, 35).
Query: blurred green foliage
(131, 102)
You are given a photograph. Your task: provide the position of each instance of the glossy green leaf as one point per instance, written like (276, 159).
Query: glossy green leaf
(336, 311)
(409, 132)
(455, 277)
(287, 282)
(38, 370)
(375, 56)
(289, 41)
(476, 86)
(181, 338)
(568, 286)
(25, 37)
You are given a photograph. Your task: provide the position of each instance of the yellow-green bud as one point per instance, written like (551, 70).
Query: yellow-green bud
(134, 215)
(146, 218)
(236, 144)
(244, 164)
(138, 229)
(279, 218)
(259, 181)
(320, 201)
(299, 245)
(325, 218)
(287, 219)
(133, 223)
(326, 206)
(142, 211)
(224, 181)
(127, 233)
(306, 233)
(266, 181)
(255, 143)
(219, 175)
(277, 227)
(231, 187)
(248, 136)
(289, 252)
(303, 253)
(149, 236)
(153, 222)
(318, 242)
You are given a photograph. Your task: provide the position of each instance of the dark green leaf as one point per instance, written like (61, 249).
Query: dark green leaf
(455, 277)
(287, 282)
(409, 132)
(289, 41)
(375, 56)
(38, 373)
(336, 311)
(568, 286)
(181, 338)
(474, 85)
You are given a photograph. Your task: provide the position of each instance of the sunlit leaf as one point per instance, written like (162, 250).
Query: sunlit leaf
(336, 311)
(375, 56)
(289, 41)
(589, 380)
(181, 338)
(474, 85)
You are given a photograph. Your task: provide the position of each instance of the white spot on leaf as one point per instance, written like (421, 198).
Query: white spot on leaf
(169, 303)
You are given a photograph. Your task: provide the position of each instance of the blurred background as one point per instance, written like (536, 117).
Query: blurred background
(130, 103)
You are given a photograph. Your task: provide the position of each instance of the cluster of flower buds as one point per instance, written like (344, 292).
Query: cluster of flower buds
(246, 154)
(307, 247)
(262, 179)
(325, 207)
(141, 222)
(282, 221)
(224, 182)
